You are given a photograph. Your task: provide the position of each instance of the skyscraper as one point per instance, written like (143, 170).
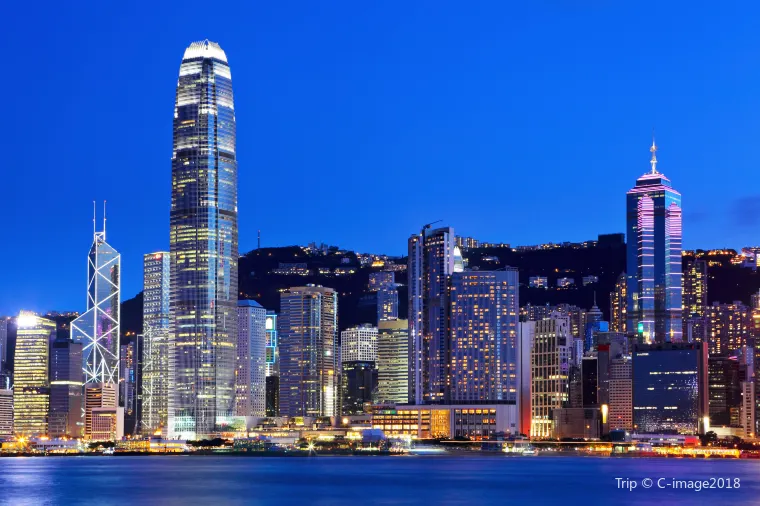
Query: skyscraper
(3, 345)
(155, 377)
(272, 351)
(430, 265)
(729, 327)
(618, 305)
(393, 361)
(250, 374)
(308, 322)
(66, 381)
(358, 355)
(203, 245)
(654, 258)
(6, 413)
(551, 357)
(484, 321)
(128, 385)
(31, 391)
(98, 328)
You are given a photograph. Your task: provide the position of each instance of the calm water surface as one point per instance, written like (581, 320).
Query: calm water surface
(442, 480)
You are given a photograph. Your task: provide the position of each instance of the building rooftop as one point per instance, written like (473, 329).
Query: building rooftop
(205, 49)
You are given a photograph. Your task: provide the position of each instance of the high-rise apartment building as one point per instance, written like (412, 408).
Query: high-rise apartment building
(551, 357)
(484, 321)
(66, 381)
(250, 373)
(31, 391)
(307, 333)
(654, 258)
(155, 373)
(97, 329)
(358, 355)
(695, 277)
(729, 327)
(618, 306)
(430, 265)
(203, 246)
(393, 361)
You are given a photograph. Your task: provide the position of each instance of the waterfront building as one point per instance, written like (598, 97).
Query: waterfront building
(101, 396)
(621, 394)
(155, 374)
(474, 421)
(393, 361)
(31, 389)
(654, 258)
(6, 414)
(203, 246)
(250, 374)
(526, 337)
(97, 329)
(359, 344)
(551, 357)
(107, 424)
(576, 423)
(128, 385)
(66, 381)
(729, 327)
(725, 391)
(670, 389)
(272, 352)
(483, 347)
(430, 265)
(308, 351)
(358, 383)
(618, 306)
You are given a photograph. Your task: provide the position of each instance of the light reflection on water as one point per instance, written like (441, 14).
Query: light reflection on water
(471, 480)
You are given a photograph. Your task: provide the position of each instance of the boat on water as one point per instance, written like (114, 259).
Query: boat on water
(520, 448)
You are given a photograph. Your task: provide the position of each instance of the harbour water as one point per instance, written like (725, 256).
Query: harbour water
(441, 480)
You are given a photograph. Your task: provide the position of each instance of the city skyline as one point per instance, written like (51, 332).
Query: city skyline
(487, 113)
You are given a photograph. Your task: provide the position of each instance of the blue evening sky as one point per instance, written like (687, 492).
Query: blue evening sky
(521, 122)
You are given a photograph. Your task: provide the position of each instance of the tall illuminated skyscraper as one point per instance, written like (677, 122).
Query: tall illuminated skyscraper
(430, 265)
(484, 321)
(308, 322)
(654, 258)
(31, 391)
(154, 387)
(203, 246)
(250, 374)
(98, 328)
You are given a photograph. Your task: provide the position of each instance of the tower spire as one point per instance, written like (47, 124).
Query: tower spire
(104, 220)
(94, 215)
(653, 150)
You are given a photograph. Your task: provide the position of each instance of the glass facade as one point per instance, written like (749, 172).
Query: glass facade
(308, 351)
(430, 265)
(669, 388)
(250, 374)
(272, 352)
(203, 246)
(393, 361)
(654, 258)
(98, 328)
(31, 391)
(154, 385)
